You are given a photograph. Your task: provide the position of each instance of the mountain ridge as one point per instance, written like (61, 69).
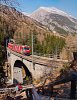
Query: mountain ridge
(54, 18)
(54, 10)
(19, 23)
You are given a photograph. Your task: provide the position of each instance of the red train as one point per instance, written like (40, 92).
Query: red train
(23, 49)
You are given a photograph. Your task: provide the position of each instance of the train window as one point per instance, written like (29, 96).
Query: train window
(26, 48)
(12, 40)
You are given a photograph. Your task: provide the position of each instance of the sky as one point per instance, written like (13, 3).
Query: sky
(68, 6)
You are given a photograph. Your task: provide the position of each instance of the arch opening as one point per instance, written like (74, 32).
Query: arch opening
(21, 73)
(75, 55)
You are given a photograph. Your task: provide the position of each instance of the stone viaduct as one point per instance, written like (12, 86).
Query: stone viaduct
(41, 65)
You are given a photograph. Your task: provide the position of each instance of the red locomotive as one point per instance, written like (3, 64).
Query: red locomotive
(23, 49)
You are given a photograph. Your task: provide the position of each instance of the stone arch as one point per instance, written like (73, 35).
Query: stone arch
(75, 55)
(19, 64)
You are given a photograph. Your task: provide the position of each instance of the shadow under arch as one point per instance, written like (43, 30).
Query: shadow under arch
(20, 64)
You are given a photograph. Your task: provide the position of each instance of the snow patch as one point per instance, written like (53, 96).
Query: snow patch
(25, 13)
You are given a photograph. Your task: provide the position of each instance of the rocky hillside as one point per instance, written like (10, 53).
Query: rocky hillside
(17, 24)
(56, 20)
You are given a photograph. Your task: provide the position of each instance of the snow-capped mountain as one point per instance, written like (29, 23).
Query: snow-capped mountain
(55, 19)
(54, 10)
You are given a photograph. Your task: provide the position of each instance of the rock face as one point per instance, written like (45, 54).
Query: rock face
(55, 19)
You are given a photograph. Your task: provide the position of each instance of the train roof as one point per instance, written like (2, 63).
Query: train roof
(19, 44)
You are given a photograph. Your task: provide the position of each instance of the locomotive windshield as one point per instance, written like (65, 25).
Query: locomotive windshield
(26, 48)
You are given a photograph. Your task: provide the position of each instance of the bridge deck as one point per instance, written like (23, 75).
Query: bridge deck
(38, 59)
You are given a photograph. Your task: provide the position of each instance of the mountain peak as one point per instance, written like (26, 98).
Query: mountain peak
(54, 10)
(55, 19)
